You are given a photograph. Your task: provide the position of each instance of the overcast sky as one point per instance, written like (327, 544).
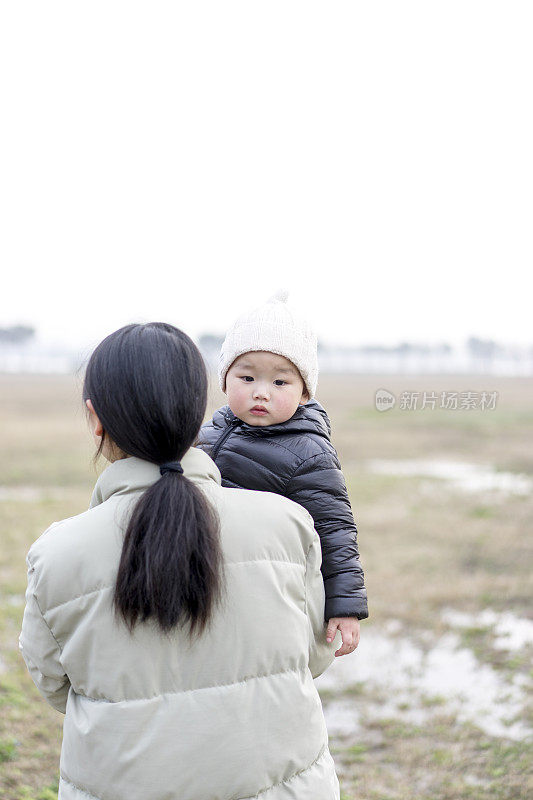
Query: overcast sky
(182, 161)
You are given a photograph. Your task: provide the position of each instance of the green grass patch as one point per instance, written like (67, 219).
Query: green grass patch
(12, 695)
(8, 749)
(46, 793)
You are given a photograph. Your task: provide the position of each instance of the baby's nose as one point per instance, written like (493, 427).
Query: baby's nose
(260, 390)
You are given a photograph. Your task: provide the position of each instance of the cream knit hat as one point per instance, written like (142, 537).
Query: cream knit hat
(277, 329)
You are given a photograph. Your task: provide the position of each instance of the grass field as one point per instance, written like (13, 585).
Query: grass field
(436, 702)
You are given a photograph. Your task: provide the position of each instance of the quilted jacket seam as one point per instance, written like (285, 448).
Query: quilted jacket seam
(304, 462)
(190, 691)
(78, 788)
(249, 797)
(324, 451)
(272, 442)
(78, 597)
(45, 621)
(110, 586)
(287, 780)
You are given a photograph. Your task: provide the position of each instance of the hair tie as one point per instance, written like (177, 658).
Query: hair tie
(171, 466)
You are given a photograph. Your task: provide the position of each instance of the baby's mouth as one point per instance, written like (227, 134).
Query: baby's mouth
(258, 410)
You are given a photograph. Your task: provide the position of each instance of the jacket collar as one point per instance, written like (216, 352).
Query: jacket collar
(309, 418)
(132, 474)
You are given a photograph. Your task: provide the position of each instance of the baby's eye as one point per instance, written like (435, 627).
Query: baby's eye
(247, 378)
(279, 382)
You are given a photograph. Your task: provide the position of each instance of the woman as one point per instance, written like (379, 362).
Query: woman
(177, 624)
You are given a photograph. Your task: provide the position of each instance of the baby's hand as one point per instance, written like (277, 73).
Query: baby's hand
(349, 628)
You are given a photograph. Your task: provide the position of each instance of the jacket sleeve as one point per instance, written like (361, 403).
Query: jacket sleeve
(319, 486)
(41, 651)
(321, 654)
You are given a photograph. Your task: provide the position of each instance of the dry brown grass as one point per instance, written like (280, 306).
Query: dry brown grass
(423, 547)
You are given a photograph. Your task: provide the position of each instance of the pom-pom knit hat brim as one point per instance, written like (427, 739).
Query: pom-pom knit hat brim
(273, 327)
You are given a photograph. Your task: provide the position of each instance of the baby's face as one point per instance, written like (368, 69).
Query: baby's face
(263, 380)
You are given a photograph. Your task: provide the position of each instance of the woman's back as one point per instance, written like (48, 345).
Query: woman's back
(228, 713)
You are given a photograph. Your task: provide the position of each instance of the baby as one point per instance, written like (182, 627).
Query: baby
(272, 436)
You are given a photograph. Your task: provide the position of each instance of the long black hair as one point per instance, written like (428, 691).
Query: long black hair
(148, 387)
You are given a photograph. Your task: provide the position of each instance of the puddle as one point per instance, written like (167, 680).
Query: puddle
(347, 717)
(509, 631)
(342, 718)
(463, 476)
(409, 677)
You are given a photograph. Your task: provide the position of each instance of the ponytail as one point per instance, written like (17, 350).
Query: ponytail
(148, 386)
(170, 567)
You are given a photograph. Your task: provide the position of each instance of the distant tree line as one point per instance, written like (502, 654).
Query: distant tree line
(16, 334)
(210, 342)
(482, 348)
(486, 349)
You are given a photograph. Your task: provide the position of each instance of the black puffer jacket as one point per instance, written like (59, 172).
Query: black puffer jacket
(297, 460)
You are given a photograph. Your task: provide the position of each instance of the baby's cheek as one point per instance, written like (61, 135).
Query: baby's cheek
(287, 406)
(236, 397)
(240, 395)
